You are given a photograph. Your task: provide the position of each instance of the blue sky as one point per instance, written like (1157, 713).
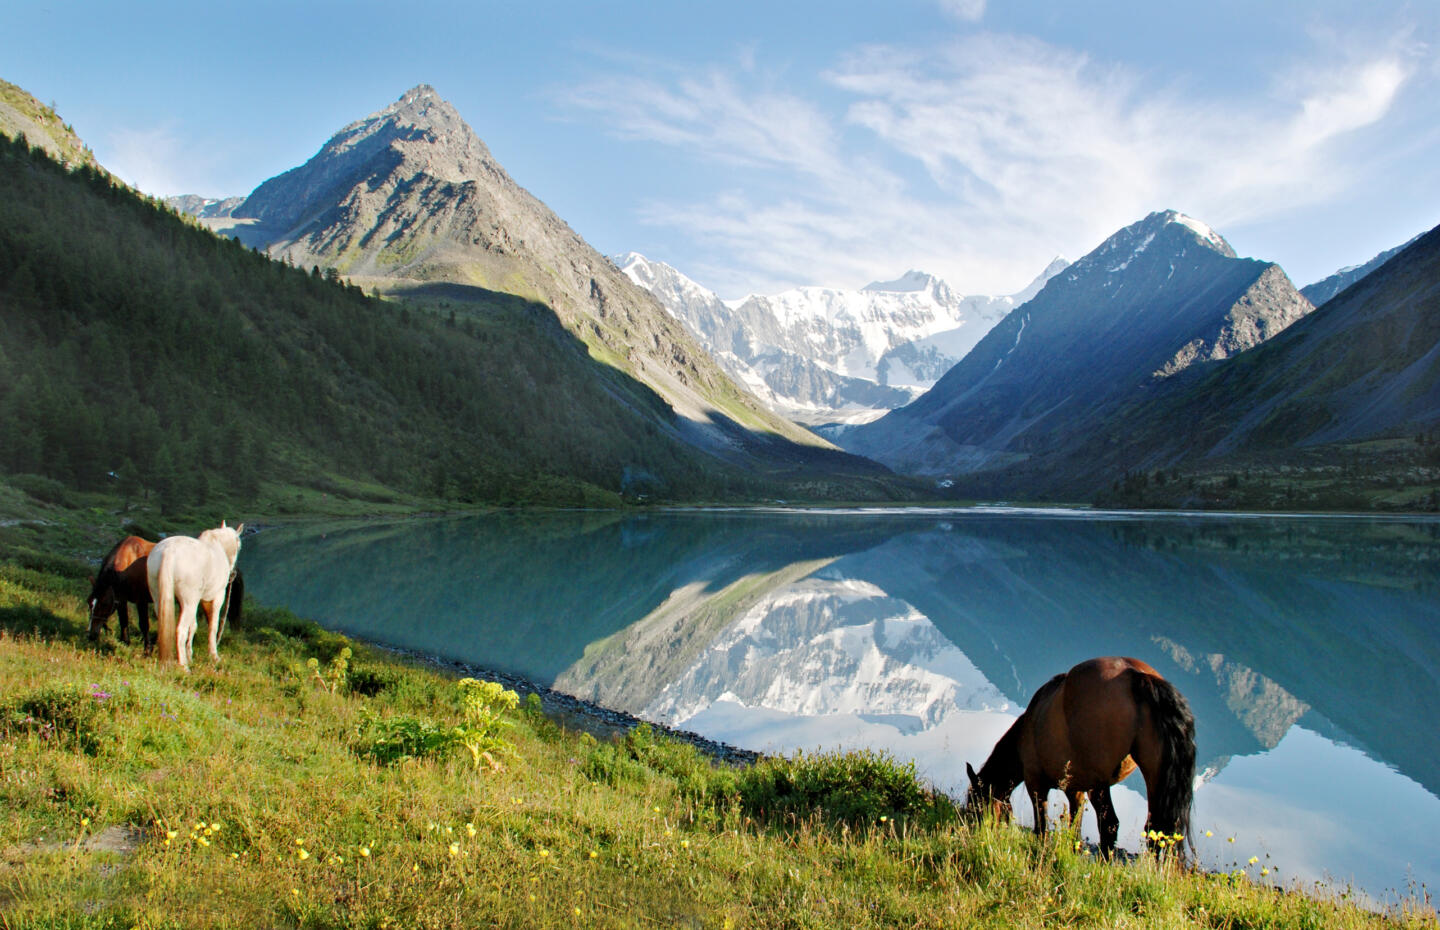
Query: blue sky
(757, 146)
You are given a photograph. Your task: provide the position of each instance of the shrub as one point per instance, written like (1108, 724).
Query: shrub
(855, 788)
(392, 740)
(642, 754)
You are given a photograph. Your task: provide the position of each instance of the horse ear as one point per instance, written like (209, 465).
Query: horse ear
(222, 523)
(239, 529)
(974, 779)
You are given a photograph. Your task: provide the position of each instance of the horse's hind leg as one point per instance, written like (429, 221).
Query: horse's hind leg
(212, 614)
(1106, 819)
(185, 632)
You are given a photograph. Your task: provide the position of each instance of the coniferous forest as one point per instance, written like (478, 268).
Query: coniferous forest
(144, 354)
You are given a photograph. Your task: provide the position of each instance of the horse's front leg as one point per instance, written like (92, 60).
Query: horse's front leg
(142, 610)
(1107, 820)
(123, 607)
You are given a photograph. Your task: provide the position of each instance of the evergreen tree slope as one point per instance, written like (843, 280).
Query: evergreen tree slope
(143, 350)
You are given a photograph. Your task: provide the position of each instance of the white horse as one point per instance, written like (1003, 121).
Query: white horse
(194, 572)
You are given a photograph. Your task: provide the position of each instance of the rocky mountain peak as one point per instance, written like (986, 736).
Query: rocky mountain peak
(1165, 232)
(909, 282)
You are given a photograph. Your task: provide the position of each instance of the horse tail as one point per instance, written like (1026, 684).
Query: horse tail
(162, 592)
(1175, 724)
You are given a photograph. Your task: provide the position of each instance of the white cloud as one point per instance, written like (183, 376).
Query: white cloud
(967, 10)
(982, 158)
(155, 160)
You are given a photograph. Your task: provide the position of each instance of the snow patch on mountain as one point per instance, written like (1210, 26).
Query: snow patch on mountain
(829, 354)
(825, 647)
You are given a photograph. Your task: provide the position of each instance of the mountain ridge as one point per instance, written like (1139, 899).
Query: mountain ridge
(821, 354)
(410, 200)
(1071, 356)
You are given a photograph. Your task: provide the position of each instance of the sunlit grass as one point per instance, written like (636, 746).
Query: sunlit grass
(243, 796)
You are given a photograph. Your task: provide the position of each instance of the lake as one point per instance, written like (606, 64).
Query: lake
(1308, 647)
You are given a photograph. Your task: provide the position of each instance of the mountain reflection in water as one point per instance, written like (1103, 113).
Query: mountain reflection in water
(1308, 648)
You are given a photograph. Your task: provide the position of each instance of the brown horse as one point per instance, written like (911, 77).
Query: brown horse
(131, 586)
(102, 599)
(1086, 730)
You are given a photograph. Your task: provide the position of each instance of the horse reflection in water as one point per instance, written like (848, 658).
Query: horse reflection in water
(1088, 729)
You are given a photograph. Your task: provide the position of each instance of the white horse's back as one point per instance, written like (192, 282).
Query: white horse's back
(192, 572)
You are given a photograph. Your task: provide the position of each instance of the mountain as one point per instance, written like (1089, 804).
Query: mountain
(825, 355)
(24, 117)
(1157, 298)
(1364, 367)
(204, 208)
(409, 200)
(146, 356)
(1326, 288)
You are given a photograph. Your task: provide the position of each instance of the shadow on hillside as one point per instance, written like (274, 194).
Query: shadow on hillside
(29, 620)
(723, 438)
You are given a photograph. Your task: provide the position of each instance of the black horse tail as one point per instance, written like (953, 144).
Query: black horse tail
(1170, 807)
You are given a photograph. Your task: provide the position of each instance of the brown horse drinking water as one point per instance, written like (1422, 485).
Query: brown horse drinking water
(102, 597)
(1086, 730)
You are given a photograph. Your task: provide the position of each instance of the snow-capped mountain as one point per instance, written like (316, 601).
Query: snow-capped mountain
(1156, 298)
(823, 355)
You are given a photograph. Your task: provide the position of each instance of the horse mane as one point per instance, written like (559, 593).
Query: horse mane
(109, 558)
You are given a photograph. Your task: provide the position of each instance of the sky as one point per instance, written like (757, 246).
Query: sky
(761, 146)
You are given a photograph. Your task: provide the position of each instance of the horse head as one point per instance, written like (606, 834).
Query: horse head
(986, 796)
(227, 538)
(101, 602)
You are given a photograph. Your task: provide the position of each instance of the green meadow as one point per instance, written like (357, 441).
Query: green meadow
(310, 781)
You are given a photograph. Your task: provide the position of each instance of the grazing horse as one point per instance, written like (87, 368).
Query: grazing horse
(1086, 730)
(195, 572)
(102, 599)
(131, 586)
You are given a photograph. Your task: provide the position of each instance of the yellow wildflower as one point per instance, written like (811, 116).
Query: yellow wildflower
(303, 855)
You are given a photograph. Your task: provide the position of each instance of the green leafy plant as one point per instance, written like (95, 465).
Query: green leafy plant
(485, 703)
(393, 740)
(335, 676)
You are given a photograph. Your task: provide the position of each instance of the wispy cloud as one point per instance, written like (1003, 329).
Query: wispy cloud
(155, 160)
(966, 10)
(981, 158)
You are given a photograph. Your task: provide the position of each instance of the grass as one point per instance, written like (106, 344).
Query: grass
(241, 796)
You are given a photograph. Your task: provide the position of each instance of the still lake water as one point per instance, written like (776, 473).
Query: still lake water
(1308, 647)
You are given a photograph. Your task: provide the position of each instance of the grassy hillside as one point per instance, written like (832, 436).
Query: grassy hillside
(21, 115)
(148, 356)
(270, 792)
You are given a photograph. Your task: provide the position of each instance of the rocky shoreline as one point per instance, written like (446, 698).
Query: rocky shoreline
(578, 713)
